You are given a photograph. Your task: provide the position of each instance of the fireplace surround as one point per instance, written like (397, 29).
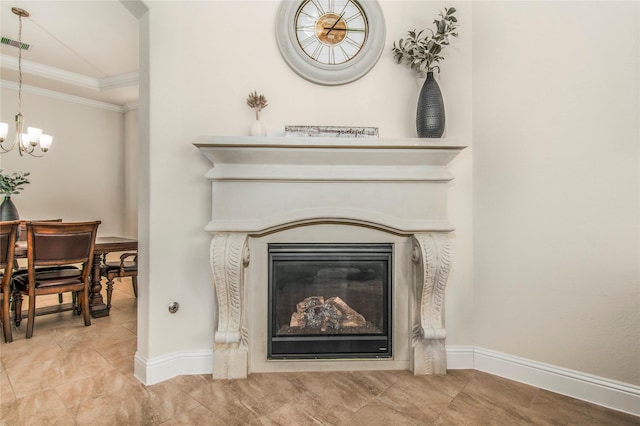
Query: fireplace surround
(274, 191)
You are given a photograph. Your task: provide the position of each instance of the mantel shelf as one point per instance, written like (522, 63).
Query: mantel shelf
(278, 142)
(334, 159)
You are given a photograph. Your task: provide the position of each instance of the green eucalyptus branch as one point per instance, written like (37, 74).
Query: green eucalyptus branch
(10, 183)
(421, 50)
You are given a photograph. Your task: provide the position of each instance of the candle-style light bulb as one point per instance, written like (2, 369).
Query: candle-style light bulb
(24, 140)
(45, 142)
(34, 135)
(4, 129)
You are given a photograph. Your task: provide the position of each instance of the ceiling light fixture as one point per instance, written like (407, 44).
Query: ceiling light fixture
(33, 138)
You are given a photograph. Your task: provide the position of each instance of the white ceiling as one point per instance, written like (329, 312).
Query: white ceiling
(81, 48)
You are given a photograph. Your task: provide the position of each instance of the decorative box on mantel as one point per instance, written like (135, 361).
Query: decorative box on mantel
(268, 190)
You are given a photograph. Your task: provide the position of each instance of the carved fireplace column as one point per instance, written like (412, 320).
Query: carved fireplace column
(229, 258)
(432, 258)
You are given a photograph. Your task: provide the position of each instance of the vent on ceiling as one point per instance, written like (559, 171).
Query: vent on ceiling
(14, 43)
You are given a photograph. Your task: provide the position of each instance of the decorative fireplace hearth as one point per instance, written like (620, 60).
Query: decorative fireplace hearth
(279, 205)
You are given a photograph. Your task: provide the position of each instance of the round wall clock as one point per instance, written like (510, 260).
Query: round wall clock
(330, 42)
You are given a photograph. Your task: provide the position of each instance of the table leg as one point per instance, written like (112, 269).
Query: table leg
(97, 307)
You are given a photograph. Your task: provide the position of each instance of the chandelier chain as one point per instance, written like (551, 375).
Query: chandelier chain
(33, 138)
(20, 64)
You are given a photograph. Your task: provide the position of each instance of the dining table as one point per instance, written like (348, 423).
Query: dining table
(103, 246)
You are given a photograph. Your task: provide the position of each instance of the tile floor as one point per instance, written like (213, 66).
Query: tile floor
(68, 374)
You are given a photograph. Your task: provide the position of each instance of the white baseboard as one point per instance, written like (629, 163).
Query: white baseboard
(597, 390)
(460, 357)
(183, 363)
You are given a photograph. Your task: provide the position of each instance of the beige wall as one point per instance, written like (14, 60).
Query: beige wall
(130, 164)
(82, 176)
(556, 183)
(546, 248)
(200, 74)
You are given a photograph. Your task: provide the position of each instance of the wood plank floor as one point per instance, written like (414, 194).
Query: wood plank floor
(68, 374)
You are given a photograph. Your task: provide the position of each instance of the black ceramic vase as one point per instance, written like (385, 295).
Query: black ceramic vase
(8, 210)
(430, 116)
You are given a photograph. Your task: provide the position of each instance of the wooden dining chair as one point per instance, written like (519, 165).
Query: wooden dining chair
(8, 232)
(126, 267)
(22, 236)
(22, 231)
(56, 246)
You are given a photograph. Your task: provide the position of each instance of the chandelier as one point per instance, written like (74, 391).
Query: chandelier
(33, 142)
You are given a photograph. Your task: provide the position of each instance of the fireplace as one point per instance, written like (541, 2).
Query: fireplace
(366, 219)
(330, 301)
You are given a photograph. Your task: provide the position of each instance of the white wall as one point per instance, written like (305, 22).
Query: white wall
(546, 256)
(547, 214)
(130, 164)
(200, 74)
(556, 161)
(82, 176)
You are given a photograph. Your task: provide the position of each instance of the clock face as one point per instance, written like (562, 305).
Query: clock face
(330, 42)
(331, 32)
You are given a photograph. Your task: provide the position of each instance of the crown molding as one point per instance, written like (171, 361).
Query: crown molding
(122, 80)
(67, 77)
(137, 7)
(130, 106)
(65, 97)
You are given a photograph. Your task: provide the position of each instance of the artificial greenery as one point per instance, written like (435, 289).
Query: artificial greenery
(422, 52)
(11, 183)
(257, 102)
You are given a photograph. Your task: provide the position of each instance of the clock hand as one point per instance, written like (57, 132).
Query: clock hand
(344, 29)
(335, 23)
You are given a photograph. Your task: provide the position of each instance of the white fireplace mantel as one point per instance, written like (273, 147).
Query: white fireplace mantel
(369, 180)
(265, 187)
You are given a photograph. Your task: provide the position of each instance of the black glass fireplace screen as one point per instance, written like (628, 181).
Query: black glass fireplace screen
(329, 301)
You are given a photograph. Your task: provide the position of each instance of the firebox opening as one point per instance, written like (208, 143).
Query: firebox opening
(330, 301)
